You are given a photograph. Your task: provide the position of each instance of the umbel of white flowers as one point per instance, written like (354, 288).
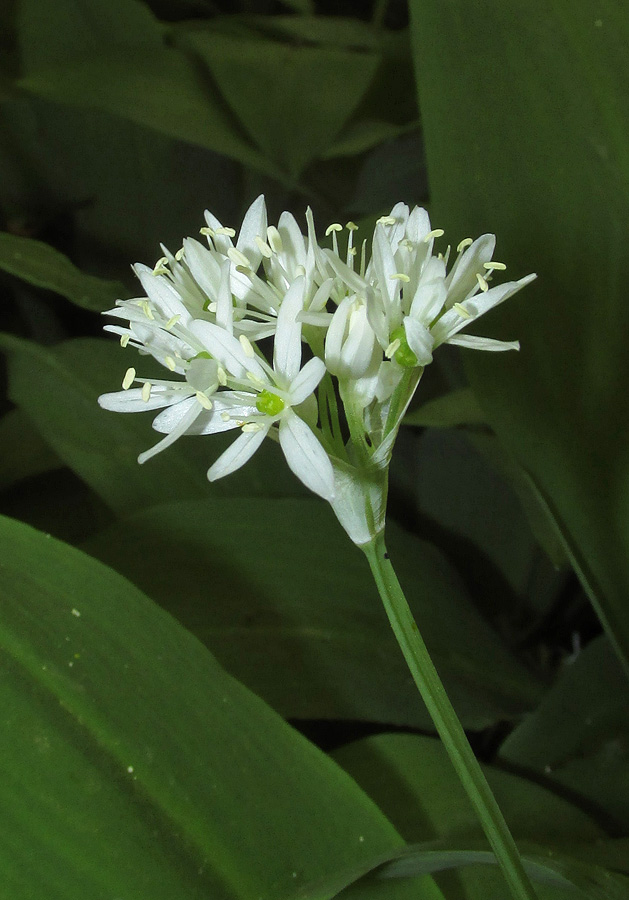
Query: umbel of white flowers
(233, 322)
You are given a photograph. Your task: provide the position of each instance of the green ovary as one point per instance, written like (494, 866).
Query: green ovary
(269, 403)
(403, 355)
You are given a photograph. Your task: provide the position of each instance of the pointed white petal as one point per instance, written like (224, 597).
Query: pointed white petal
(358, 353)
(222, 242)
(294, 246)
(253, 225)
(162, 294)
(237, 454)
(418, 225)
(451, 322)
(194, 409)
(131, 401)
(473, 342)
(306, 457)
(384, 265)
(287, 347)
(420, 340)
(224, 303)
(225, 348)
(431, 292)
(336, 334)
(462, 277)
(306, 380)
(204, 267)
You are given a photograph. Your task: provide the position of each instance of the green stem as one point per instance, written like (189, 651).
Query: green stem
(446, 720)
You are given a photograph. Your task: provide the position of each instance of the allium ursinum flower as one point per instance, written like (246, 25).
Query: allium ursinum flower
(372, 324)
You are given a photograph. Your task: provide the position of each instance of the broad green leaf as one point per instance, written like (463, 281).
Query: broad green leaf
(459, 407)
(579, 735)
(24, 453)
(134, 766)
(45, 267)
(112, 57)
(534, 147)
(233, 571)
(291, 100)
(57, 389)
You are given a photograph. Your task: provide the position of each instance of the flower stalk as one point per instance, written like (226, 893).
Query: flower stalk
(446, 720)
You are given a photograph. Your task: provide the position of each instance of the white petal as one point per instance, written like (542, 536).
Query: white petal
(225, 348)
(222, 242)
(306, 380)
(418, 225)
(358, 354)
(351, 279)
(306, 457)
(194, 410)
(237, 454)
(294, 248)
(171, 417)
(451, 322)
(131, 401)
(224, 303)
(287, 347)
(384, 265)
(253, 225)
(431, 292)
(336, 334)
(204, 267)
(420, 340)
(462, 277)
(162, 294)
(473, 342)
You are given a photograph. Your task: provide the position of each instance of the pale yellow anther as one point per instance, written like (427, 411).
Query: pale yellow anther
(275, 239)
(245, 343)
(221, 375)
(263, 247)
(498, 266)
(205, 401)
(170, 362)
(124, 339)
(213, 306)
(400, 276)
(392, 348)
(129, 378)
(180, 254)
(299, 271)
(335, 226)
(408, 244)
(352, 251)
(462, 311)
(351, 226)
(481, 282)
(386, 220)
(146, 391)
(159, 265)
(435, 233)
(148, 312)
(255, 379)
(248, 427)
(230, 232)
(238, 257)
(172, 321)
(225, 416)
(466, 242)
(207, 231)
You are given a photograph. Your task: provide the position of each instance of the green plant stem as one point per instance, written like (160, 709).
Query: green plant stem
(446, 720)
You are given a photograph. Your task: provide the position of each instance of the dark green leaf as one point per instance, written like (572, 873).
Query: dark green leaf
(45, 267)
(525, 135)
(233, 571)
(134, 766)
(460, 407)
(24, 453)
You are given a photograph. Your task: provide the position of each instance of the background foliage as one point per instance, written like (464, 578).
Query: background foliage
(185, 713)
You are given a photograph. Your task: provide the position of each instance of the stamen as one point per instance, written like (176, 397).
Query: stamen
(466, 242)
(482, 283)
(351, 226)
(245, 343)
(255, 379)
(386, 220)
(462, 311)
(124, 339)
(221, 375)
(435, 233)
(351, 251)
(207, 231)
(170, 362)
(128, 379)
(225, 417)
(205, 401)
(212, 307)
(393, 346)
(146, 391)
(363, 259)
(230, 232)
(180, 254)
(146, 307)
(172, 321)
(400, 276)
(274, 238)
(159, 265)
(498, 266)
(239, 258)
(333, 227)
(251, 426)
(263, 247)
(299, 271)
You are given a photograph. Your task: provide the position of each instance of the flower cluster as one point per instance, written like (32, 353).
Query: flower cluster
(368, 323)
